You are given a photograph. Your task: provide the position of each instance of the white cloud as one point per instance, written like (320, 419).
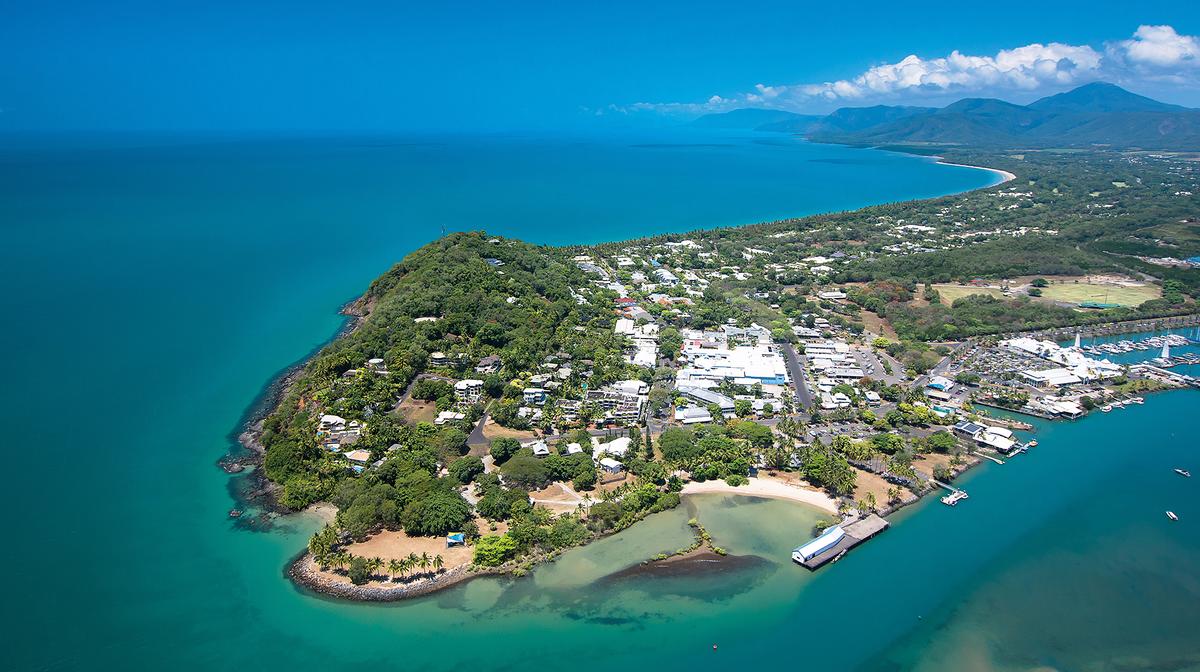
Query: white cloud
(1159, 47)
(1153, 51)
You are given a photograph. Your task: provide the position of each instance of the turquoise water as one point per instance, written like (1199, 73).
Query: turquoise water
(152, 289)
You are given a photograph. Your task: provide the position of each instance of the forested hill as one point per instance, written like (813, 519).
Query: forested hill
(466, 296)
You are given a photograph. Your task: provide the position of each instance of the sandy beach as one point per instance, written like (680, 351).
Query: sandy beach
(1004, 174)
(765, 487)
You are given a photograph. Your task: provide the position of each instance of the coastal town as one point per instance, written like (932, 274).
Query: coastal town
(692, 364)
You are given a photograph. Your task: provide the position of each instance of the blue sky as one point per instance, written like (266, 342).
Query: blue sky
(351, 65)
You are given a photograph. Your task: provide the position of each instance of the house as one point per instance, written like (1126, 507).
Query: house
(574, 449)
(611, 466)
(873, 398)
(617, 447)
(534, 395)
(333, 423)
(666, 277)
(489, 364)
(447, 417)
(539, 448)
(361, 456)
(468, 391)
(832, 295)
(438, 359)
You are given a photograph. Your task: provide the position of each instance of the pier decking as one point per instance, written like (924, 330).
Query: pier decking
(856, 533)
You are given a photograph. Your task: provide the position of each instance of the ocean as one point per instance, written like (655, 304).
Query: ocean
(155, 285)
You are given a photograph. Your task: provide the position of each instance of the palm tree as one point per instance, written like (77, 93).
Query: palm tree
(413, 561)
(438, 562)
(375, 564)
(424, 561)
(394, 567)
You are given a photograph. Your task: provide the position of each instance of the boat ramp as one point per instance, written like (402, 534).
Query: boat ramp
(851, 535)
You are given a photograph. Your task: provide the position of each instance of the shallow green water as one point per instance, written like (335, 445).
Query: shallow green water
(152, 291)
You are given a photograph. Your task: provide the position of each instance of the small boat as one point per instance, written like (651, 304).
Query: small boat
(1032, 444)
(1184, 472)
(235, 513)
(1172, 516)
(1106, 408)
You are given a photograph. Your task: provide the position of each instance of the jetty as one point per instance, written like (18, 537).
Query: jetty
(837, 541)
(985, 456)
(955, 495)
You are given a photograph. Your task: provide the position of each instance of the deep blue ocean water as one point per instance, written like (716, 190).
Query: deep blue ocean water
(155, 285)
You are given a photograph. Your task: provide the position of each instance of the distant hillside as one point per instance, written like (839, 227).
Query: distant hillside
(1092, 115)
(1100, 97)
(751, 118)
(854, 119)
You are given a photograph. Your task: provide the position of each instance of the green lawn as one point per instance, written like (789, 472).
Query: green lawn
(951, 292)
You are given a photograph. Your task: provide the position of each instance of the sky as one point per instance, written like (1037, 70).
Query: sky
(301, 65)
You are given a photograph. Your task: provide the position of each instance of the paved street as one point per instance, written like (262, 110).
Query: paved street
(797, 373)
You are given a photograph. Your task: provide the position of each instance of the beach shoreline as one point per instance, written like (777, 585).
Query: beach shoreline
(767, 488)
(1005, 176)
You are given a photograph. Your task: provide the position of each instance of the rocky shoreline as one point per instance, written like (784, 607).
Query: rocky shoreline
(304, 572)
(262, 491)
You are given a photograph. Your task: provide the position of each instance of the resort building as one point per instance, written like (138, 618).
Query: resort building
(468, 391)
(998, 438)
(622, 401)
(644, 339)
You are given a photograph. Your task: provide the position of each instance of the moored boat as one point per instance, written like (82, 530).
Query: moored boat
(1172, 516)
(1184, 472)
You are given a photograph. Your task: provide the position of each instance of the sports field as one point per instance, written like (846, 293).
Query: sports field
(1078, 292)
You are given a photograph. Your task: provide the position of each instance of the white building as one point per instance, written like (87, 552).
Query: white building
(468, 391)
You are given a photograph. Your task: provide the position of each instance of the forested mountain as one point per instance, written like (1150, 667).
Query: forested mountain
(751, 118)
(1097, 114)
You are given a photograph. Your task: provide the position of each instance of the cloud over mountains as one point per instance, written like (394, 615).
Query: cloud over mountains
(1154, 53)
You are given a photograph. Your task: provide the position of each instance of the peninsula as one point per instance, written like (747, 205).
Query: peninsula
(495, 403)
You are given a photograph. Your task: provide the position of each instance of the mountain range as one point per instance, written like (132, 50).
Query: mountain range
(1097, 114)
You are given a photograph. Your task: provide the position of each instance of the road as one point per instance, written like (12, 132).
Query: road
(797, 373)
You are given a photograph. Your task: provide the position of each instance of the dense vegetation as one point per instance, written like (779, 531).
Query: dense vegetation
(519, 306)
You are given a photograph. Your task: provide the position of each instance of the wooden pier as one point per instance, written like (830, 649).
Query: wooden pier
(856, 533)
